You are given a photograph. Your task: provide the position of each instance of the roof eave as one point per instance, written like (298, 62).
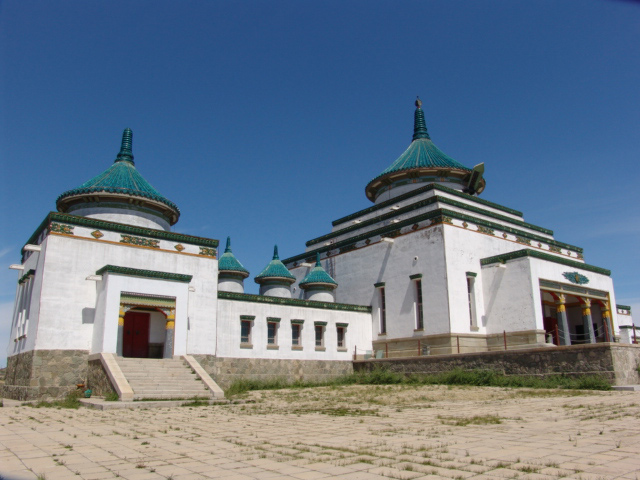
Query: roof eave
(168, 209)
(388, 178)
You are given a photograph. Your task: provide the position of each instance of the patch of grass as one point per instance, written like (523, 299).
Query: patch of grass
(458, 377)
(72, 400)
(197, 402)
(112, 397)
(475, 420)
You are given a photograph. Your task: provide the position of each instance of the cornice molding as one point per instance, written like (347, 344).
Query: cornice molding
(248, 297)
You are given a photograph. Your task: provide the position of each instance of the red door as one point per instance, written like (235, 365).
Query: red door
(135, 341)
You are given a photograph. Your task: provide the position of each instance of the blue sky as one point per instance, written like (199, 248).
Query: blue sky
(265, 120)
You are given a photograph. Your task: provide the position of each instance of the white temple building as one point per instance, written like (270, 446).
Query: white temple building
(430, 268)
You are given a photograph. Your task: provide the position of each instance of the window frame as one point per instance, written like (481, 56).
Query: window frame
(319, 327)
(341, 345)
(296, 325)
(248, 321)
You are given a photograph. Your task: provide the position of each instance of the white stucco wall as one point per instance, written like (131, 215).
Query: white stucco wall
(67, 301)
(393, 263)
(229, 312)
(512, 293)
(112, 286)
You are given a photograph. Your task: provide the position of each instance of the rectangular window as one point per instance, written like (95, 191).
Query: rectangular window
(341, 337)
(419, 311)
(296, 331)
(245, 334)
(246, 327)
(471, 299)
(272, 333)
(383, 312)
(319, 333)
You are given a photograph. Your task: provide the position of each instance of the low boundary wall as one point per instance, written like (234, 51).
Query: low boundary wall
(226, 370)
(617, 363)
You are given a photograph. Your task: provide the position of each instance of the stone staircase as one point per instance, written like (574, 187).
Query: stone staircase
(162, 379)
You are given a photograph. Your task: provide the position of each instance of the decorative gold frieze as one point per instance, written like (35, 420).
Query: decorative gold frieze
(143, 242)
(61, 228)
(486, 230)
(208, 252)
(97, 234)
(179, 247)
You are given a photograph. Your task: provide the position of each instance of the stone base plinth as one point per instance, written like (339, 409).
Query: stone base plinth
(615, 362)
(226, 370)
(41, 374)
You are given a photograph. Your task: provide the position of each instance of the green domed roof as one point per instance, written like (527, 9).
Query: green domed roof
(275, 270)
(318, 275)
(229, 263)
(122, 179)
(421, 158)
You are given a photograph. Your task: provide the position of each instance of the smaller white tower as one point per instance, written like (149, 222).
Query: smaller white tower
(275, 280)
(231, 273)
(318, 284)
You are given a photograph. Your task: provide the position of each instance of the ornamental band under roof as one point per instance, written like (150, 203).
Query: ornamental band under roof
(421, 163)
(120, 186)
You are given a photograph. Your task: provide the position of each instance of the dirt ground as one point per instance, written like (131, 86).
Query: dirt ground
(353, 432)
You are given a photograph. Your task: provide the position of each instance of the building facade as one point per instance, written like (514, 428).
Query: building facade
(429, 268)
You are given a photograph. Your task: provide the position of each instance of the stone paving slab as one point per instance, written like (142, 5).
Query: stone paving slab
(349, 433)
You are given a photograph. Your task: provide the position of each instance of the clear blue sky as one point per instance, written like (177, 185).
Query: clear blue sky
(265, 120)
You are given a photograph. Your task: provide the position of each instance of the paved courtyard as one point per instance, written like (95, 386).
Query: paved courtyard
(354, 432)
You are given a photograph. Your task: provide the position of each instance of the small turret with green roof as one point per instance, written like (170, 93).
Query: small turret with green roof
(231, 273)
(423, 163)
(318, 284)
(275, 280)
(121, 194)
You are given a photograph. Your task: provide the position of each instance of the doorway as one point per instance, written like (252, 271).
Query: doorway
(135, 338)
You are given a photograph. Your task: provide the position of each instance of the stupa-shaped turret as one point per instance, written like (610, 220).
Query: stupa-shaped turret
(231, 273)
(275, 280)
(318, 284)
(423, 163)
(120, 194)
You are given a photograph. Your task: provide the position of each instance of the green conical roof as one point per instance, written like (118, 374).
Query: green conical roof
(121, 178)
(421, 156)
(229, 263)
(422, 153)
(318, 275)
(275, 270)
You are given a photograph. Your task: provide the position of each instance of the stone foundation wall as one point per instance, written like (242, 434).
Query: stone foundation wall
(617, 363)
(98, 379)
(626, 361)
(226, 370)
(447, 344)
(40, 374)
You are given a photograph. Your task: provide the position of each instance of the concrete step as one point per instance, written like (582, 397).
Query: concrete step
(162, 378)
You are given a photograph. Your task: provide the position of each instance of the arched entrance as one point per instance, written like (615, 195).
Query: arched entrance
(146, 326)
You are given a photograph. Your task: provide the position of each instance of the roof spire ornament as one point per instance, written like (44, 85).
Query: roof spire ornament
(275, 253)
(126, 153)
(228, 248)
(419, 125)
